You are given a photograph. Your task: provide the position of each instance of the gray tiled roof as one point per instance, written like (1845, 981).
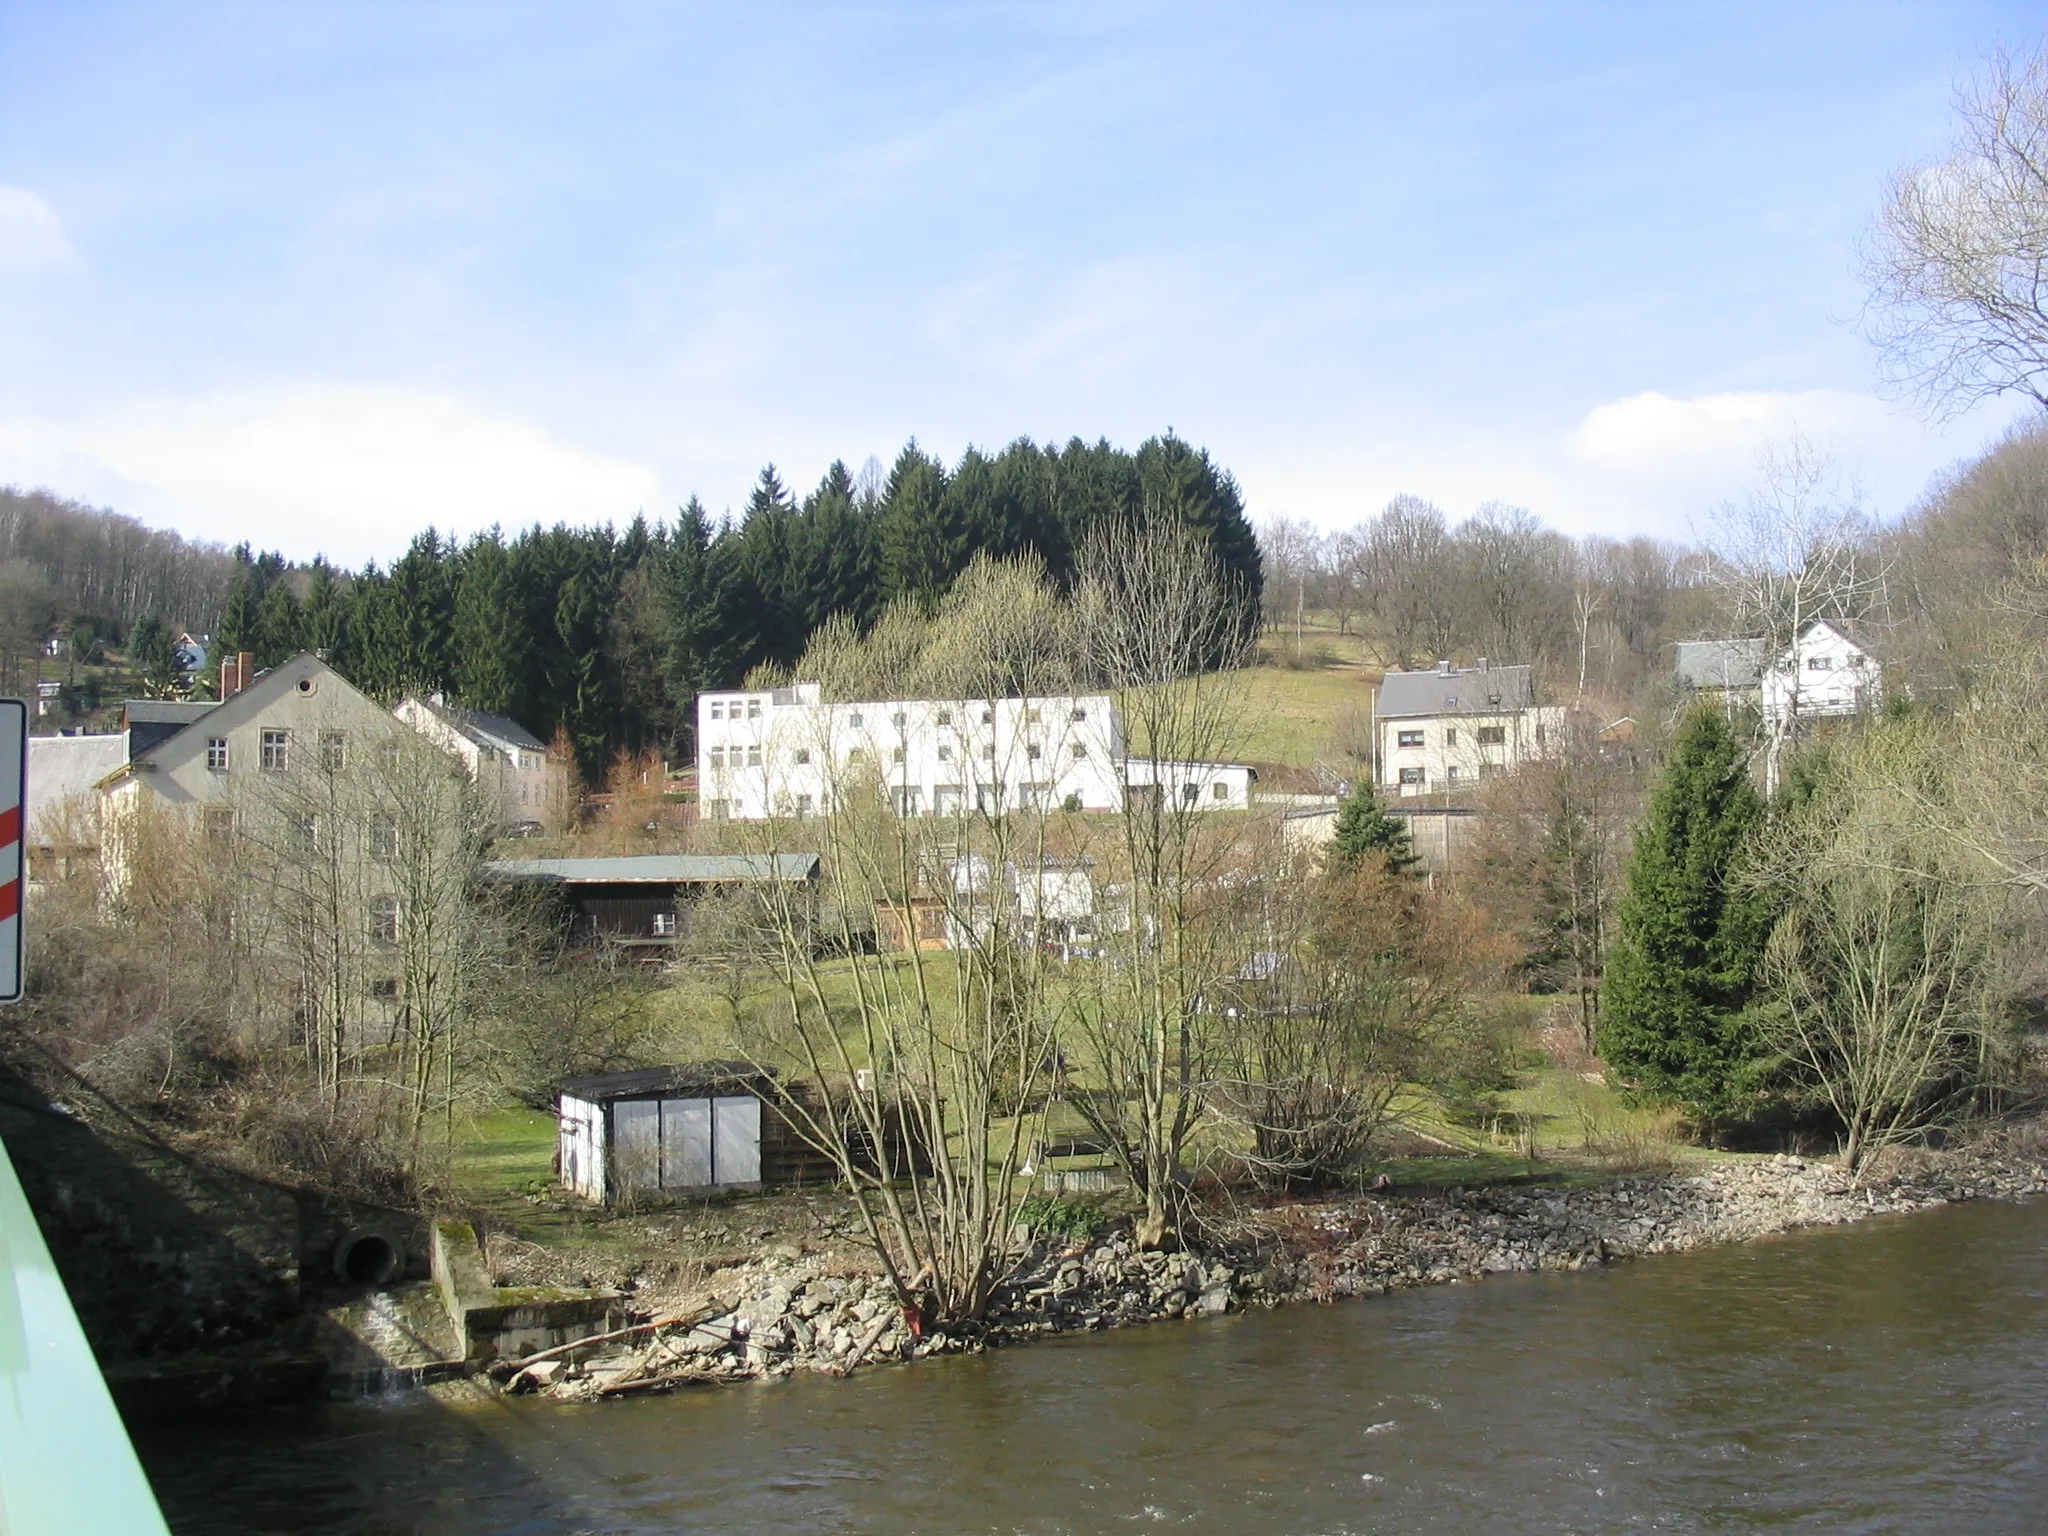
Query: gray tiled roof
(1459, 691)
(165, 711)
(660, 868)
(1720, 663)
(492, 730)
(63, 768)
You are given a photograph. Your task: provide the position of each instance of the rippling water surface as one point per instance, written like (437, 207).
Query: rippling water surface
(1888, 1377)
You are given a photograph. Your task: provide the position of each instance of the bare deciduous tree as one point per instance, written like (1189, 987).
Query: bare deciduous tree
(1360, 987)
(925, 1072)
(1957, 260)
(1163, 626)
(1885, 964)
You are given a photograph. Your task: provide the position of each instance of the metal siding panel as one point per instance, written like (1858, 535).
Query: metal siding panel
(569, 1134)
(636, 1145)
(685, 1143)
(736, 1136)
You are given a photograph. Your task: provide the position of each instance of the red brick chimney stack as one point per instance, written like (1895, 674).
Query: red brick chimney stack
(236, 673)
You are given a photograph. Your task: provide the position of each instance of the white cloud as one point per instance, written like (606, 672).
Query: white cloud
(31, 234)
(349, 471)
(1656, 434)
(1649, 463)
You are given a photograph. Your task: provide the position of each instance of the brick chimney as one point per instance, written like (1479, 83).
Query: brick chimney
(236, 673)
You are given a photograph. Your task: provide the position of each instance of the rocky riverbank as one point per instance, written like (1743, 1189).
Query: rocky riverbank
(784, 1314)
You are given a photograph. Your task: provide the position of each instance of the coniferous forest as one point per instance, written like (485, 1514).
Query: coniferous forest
(608, 634)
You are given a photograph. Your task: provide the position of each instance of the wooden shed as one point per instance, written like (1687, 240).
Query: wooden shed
(636, 902)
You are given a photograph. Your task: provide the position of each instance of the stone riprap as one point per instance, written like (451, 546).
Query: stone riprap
(782, 1314)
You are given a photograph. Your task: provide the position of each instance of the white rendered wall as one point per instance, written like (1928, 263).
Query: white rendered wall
(1451, 755)
(1824, 673)
(786, 753)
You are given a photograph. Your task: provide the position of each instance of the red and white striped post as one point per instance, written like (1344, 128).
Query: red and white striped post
(13, 851)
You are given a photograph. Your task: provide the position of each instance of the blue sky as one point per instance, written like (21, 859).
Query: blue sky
(319, 276)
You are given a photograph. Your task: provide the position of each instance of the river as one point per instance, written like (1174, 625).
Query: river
(1891, 1376)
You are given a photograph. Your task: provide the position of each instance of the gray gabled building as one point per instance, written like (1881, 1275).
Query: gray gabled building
(1448, 727)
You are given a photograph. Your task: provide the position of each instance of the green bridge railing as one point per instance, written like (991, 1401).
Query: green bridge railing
(66, 1466)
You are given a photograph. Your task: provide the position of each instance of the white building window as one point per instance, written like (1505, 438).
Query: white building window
(217, 753)
(854, 720)
(753, 709)
(906, 798)
(1413, 776)
(945, 753)
(803, 805)
(1080, 714)
(1451, 736)
(664, 925)
(1220, 790)
(717, 710)
(803, 754)
(333, 751)
(1034, 752)
(384, 920)
(945, 717)
(277, 751)
(753, 757)
(1408, 738)
(1493, 735)
(896, 754)
(1079, 751)
(898, 719)
(718, 757)
(384, 837)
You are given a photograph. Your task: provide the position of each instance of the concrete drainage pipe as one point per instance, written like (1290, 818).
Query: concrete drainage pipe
(368, 1257)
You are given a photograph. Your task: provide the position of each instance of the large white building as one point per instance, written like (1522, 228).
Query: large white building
(1449, 727)
(786, 752)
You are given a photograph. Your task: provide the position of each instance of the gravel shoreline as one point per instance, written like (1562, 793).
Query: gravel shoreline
(777, 1316)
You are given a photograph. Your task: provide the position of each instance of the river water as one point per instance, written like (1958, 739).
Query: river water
(1891, 1376)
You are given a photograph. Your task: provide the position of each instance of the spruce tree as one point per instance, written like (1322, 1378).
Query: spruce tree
(490, 628)
(923, 545)
(156, 657)
(1365, 830)
(1689, 940)
(237, 629)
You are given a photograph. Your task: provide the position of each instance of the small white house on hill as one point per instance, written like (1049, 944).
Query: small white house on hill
(1821, 674)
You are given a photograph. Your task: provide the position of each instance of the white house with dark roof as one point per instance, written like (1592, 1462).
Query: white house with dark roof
(1822, 674)
(504, 759)
(1449, 727)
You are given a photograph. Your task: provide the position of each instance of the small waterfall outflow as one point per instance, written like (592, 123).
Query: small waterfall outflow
(390, 1344)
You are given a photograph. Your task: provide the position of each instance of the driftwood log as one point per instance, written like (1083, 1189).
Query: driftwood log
(505, 1370)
